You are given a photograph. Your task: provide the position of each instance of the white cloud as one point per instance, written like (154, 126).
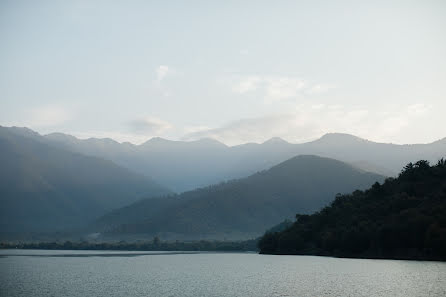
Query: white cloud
(305, 123)
(247, 84)
(283, 87)
(320, 88)
(277, 87)
(118, 136)
(418, 109)
(48, 116)
(195, 129)
(150, 126)
(161, 72)
(256, 130)
(137, 132)
(308, 122)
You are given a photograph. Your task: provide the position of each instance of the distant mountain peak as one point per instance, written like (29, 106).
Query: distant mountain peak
(157, 138)
(304, 158)
(209, 141)
(276, 140)
(60, 136)
(340, 137)
(202, 141)
(156, 141)
(23, 131)
(67, 138)
(106, 140)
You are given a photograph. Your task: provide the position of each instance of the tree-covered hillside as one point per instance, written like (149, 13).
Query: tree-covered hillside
(404, 218)
(241, 208)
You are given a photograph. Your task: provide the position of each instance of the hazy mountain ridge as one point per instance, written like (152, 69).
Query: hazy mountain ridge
(43, 187)
(242, 208)
(183, 165)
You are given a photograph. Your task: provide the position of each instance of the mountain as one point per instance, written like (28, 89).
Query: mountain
(177, 164)
(241, 208)
(183, 165)
(386, 157)
(46, 188)
(404, 218)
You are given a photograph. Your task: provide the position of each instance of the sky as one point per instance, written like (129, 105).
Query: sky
(235, 71)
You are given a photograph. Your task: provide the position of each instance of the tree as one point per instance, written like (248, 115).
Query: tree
(403, 218)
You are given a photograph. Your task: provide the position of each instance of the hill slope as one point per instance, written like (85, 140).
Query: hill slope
(404, 218)
(45, 188)
(244, 207)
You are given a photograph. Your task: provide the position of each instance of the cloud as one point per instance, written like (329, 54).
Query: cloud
(150, 126)
(246, 130)
(320, 88)
(48, 116)
(118, 136)
(161, 72)
(137, 131)
(277, 87)
(305, 122)
(418, 109)
(247, 84)
(308, 122)
(194, 129)
(283, 87)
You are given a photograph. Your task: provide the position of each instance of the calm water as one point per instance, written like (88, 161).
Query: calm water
(105, 273)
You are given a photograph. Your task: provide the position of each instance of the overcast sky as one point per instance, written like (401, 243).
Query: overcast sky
(236, 71)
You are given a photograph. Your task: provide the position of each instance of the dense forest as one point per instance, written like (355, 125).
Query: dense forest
(403, 218)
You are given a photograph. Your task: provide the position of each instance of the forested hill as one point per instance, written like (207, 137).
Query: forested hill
(404, 218)
(241, 208)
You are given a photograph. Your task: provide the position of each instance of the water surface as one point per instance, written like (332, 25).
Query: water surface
(111, 273)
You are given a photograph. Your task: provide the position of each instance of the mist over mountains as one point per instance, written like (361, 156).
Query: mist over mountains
(59, 182)
(183, 166)
(46, 188)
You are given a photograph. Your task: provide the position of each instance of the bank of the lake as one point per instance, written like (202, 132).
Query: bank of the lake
(153, 245)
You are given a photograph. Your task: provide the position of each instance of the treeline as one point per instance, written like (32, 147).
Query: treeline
(404, 218)
(154, 245)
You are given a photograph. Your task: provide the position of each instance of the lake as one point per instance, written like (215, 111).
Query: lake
(110, 273)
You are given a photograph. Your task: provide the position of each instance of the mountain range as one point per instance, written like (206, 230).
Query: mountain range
(59, 182)
(182, 166)
(46, 188)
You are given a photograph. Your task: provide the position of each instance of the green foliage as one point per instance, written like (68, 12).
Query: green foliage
(403, 218)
